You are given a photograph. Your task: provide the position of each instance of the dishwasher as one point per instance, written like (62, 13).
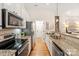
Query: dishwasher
(57, 50)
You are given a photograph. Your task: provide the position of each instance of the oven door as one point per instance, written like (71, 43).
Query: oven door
(24, 51)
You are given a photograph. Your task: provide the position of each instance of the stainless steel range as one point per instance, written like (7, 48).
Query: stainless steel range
(14, 44)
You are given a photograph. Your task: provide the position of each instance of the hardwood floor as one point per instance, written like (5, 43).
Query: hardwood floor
(40, 48)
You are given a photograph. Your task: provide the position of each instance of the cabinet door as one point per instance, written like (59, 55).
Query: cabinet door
(46, 40)
(25, 51)
(29, 39)
(50, 46)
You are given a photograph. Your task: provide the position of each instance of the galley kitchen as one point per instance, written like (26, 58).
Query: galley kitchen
(39, 29)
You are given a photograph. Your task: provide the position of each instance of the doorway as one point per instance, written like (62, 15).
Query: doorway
(39, 29)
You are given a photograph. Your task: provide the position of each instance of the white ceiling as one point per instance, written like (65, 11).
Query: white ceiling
(48, 10)
(41, 9)
(52, 7)
(40, 5)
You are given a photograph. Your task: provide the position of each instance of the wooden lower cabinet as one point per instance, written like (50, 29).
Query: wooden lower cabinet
(27, 48)
(53, 48)
(25, 51)
(49, 45)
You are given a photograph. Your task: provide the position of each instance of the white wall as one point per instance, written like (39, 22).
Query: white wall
(25, 16)
(68, 12)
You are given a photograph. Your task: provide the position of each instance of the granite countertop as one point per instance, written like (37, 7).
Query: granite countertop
(67, 46)
(22, 37)
(71, 35)
(2, 38)
(25, 37)
(7, 52)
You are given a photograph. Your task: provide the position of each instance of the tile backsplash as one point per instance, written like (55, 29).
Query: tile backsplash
(4, 32)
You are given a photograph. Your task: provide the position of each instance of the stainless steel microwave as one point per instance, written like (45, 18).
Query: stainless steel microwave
(10, 20)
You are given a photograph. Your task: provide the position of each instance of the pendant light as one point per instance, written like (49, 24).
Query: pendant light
(56, 19)
(57, 8)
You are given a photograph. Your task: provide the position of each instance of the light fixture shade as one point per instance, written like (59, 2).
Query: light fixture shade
(56, 23)
(66, 25)
(57, 20)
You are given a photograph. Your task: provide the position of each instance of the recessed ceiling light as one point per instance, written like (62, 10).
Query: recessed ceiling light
(35, 5)
(8, 3)
(47, 3)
